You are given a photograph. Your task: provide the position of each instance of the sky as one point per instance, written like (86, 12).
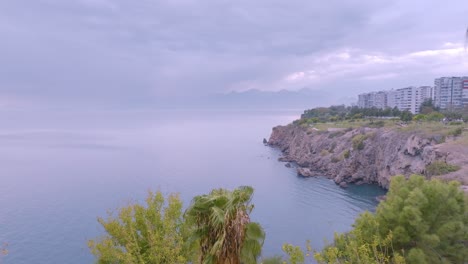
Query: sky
(131, 53)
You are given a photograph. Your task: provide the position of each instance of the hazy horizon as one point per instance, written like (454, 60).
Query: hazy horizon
(126, 54)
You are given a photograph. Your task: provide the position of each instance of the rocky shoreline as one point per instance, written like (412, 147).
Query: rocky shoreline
(365, 155)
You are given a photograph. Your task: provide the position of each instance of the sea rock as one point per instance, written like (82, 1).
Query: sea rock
(287, 165)
(381, 198)
(265, 142)
(284, 159)
(343, 185)
(306, 172)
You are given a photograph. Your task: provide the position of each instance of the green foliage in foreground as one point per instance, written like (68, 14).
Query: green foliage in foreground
(143, 234)
(216, 229)
(420, 222)
(221, 228)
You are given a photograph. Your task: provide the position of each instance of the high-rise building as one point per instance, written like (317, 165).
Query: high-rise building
(449, 92)
(465, 91)
(363, 100)
(391, 98)
(423, 93)
(405, 99)
(373, 99)
(411, 98)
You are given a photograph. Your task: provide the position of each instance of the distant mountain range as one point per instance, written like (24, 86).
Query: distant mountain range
(300, 99)
(256, 99)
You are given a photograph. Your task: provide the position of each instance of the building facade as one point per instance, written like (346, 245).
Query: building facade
(373, 99)
(450, 92)
(405, 99)
(465, 91)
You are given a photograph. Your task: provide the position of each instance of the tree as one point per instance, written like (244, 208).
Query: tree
(428, 107)
(422, 221)
(406, 116)
(221, 228)
(138, 234)
(396, 112)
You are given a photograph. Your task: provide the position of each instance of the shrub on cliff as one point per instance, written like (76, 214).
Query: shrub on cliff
(420, 222)
(376, 124)
(440, 168)
(358, 141)
(435, 116)
(456, 132)
(346, 154)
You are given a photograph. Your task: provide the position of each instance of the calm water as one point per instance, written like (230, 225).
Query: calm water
(60, 171)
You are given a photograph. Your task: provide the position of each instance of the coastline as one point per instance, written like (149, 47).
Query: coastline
(368, 155)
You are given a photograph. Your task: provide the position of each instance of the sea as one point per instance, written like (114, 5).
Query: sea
(61, 170)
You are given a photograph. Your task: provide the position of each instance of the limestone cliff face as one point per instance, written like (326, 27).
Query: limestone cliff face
(361, 155)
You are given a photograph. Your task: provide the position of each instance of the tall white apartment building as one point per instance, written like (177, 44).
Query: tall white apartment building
(465, 91)
(363, 100)
(373, 99)
(423, 93)
(380, 99)
(391, 98)
(411, 98)
(405, 99)
(449, 92)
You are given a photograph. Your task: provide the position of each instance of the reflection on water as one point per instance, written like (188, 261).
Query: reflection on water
(62, 170)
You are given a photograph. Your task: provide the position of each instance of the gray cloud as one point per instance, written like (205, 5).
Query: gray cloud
(136, 52)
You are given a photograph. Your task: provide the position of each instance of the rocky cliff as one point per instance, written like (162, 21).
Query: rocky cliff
(360, 155)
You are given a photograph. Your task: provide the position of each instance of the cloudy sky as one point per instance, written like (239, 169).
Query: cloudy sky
(75, 52)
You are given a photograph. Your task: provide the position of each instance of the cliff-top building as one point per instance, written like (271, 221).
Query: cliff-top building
(405, 99)
(451, 92)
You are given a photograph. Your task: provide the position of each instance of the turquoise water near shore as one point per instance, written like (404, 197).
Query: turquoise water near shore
(61, 170)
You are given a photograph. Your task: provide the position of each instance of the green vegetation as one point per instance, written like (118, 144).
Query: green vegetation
(358, 141)
(435, 116)
(440, 168)
(376, 124)
(215, 229)
(456, 132)
(336, 134)
(143, 234)
(220, 227)
(340, 116)
(296, 256)
(272, 260)
(337, 159)
(406, 116)
(339, 113)
(420, 222)
(346, 153)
